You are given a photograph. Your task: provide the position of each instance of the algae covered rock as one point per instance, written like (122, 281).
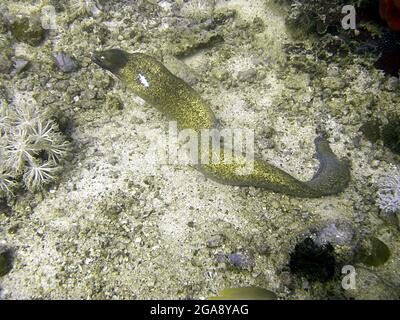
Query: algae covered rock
(5, 63)
(28, 30)
(314, 15)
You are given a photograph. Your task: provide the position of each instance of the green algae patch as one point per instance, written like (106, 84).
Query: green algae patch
(376, 253)
(245, 293)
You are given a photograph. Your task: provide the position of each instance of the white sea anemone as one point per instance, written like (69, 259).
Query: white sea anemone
(6, 182)
(81, 7)
(19, 150)
(31, 146)
(39, 174)
(4, 118)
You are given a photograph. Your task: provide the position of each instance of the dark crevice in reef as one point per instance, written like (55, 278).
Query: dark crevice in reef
(4, 207)
(389, 133)
(313, 262)
(6, 261)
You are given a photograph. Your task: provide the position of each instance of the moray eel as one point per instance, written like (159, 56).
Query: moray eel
(154, 83)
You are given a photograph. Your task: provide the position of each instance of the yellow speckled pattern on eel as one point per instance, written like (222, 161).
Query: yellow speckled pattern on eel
(151, 81)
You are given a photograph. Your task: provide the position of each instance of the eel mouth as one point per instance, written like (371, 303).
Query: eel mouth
(96, 58)
(112, 60)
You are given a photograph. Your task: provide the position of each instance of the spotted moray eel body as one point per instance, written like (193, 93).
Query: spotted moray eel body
(154, 83)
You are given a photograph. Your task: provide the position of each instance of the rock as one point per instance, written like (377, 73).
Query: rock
(369, 286)
(287, 281)
(192, 43)
(241, 261)
(247, 75)
(267, 144)
(220, 257)
(338, 232)
(65, 63)
(19, 66)
(268, 132)
(258, 25)
(357, 142)
(215, 241)
(220, 74)
(223, 16)
(263, 248)
(181, 70)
